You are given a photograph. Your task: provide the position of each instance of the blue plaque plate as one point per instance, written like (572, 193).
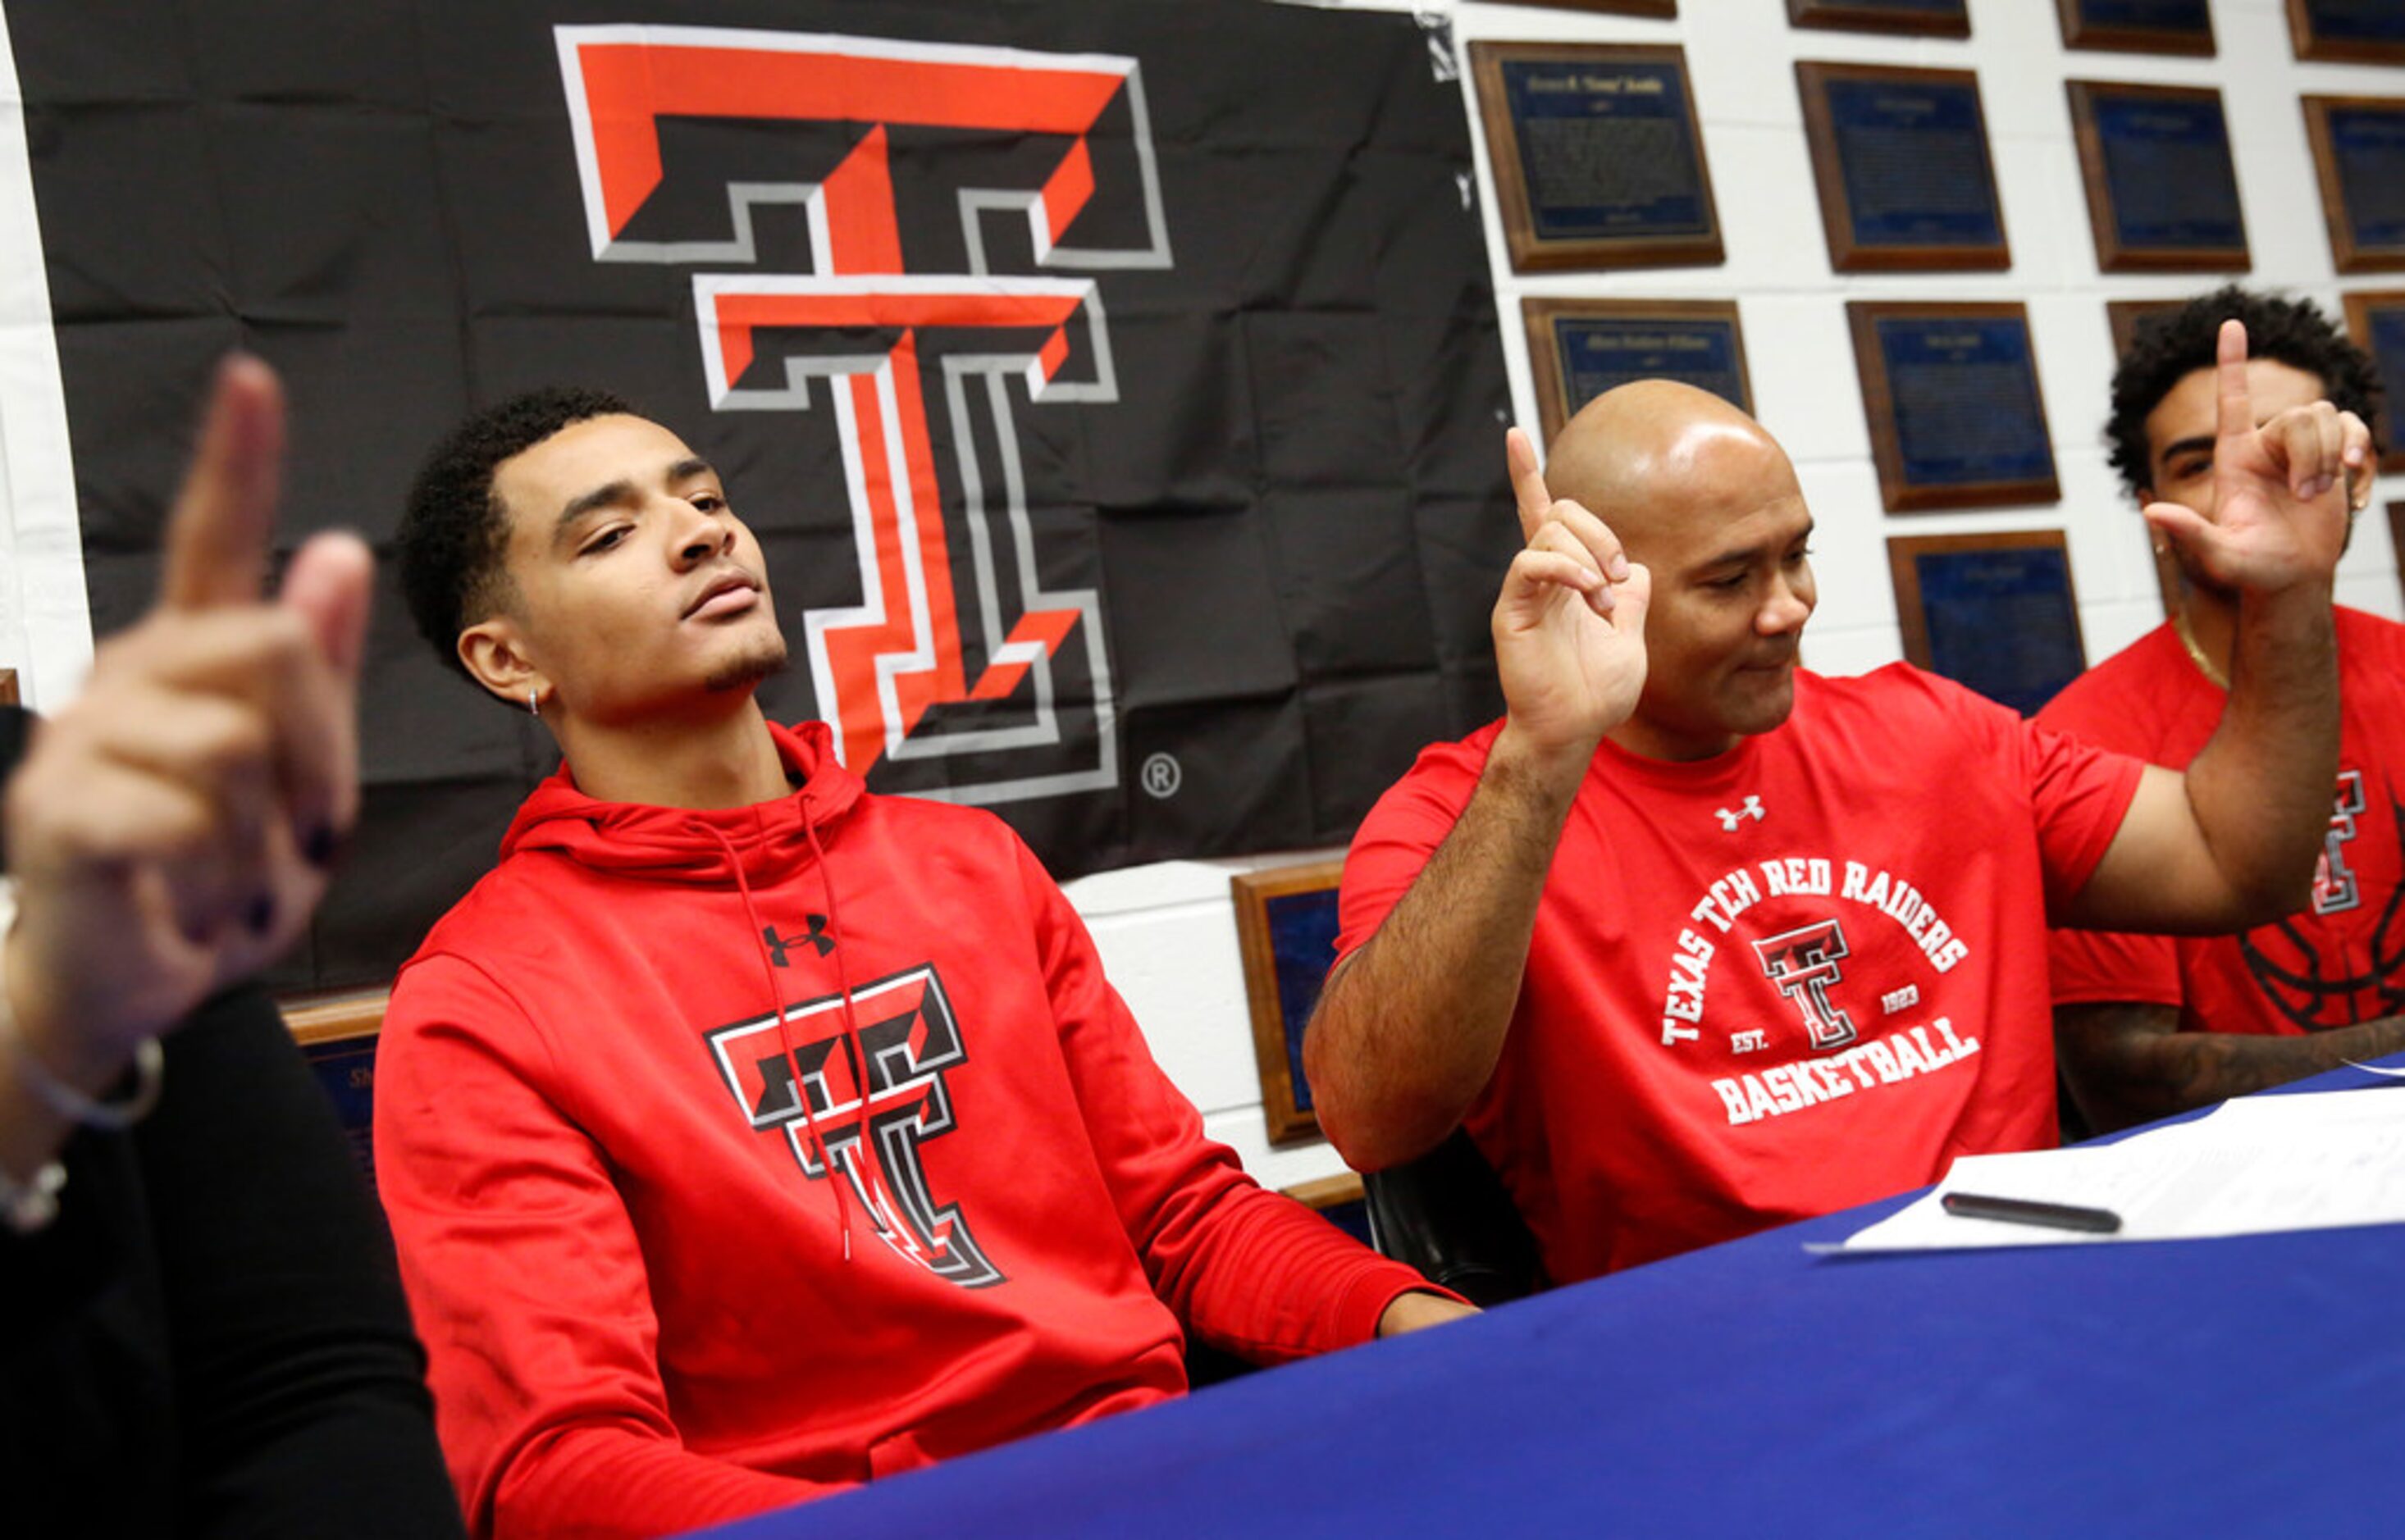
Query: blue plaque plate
(1914, 156)
(1597, 353)
(1606, 150)
(2355, 21)
(1951, 393)
(2368, 147)
(1899, 161)
(1967, 411)
(345, 1069)
(1598, 158)
(2161, 189)
(1302, 942)
(2190, 17)
(2168, 167)
(2001, 619)
(1577, 349)
(2387, 348)
(2376, 319)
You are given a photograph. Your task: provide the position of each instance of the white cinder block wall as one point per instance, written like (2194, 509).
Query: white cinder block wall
(1168, 934)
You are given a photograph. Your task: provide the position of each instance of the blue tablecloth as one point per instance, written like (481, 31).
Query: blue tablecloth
(2254, 1385)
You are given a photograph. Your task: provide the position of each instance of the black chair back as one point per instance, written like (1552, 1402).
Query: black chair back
(1446, 1214)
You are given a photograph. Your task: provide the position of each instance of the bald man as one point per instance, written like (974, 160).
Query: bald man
(1695, 942)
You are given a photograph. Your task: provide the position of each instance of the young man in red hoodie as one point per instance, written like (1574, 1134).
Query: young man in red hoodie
(747, 1134)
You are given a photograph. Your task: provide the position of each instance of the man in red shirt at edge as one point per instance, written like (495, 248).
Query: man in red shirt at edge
(2147, 1025)
(1693, 943)
(646, 1307)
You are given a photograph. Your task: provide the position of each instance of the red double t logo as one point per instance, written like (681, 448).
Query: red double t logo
(866, 335)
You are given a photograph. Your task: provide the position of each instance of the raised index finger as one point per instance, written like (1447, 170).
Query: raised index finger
(2234, 413)
(1527, 482)
(216, 537)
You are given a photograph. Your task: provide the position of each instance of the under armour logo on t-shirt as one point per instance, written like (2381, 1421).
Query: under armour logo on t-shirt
(1730, 819)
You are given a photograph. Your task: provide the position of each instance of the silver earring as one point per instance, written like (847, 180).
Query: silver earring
(534, 702)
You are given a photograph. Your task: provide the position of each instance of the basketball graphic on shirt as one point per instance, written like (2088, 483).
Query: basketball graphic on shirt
(2334, 974)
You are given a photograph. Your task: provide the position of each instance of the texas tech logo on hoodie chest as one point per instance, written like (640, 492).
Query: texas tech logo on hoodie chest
(862, 1091)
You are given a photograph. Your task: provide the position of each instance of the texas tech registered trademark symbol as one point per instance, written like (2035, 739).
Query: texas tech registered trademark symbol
(1162, 776)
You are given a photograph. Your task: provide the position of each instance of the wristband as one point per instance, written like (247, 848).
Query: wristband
(26, 1207)
(67, 1100)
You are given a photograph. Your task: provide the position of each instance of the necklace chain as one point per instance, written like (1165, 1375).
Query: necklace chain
(2196, 655)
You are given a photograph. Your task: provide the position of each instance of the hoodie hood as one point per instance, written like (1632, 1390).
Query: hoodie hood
(759, 845)
(680, 844)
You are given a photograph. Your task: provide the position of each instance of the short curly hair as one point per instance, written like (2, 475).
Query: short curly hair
(455, 530)
(2167, 346)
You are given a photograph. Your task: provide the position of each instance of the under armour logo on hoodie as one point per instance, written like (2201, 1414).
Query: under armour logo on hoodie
(818, 938)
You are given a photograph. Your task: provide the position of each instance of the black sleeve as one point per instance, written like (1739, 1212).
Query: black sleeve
(88, 1437)
(51, 1280)
(48, 1278)
(301, 1392)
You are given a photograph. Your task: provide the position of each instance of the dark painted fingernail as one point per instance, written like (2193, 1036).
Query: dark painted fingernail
(321, 849)
(262, 917)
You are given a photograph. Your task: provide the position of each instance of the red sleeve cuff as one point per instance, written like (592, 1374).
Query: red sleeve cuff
(1378, 1287)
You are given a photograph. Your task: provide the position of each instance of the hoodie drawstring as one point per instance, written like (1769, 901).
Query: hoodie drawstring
(874, 1157)
(784, 1033)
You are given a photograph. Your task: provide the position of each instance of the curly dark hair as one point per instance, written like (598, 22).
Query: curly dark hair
(2167, 346)
(455, 529)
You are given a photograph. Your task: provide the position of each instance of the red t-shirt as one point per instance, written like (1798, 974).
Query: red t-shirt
(1796, 976)
(2339, 960)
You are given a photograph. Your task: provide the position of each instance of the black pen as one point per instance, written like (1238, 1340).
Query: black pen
(2020, 1211)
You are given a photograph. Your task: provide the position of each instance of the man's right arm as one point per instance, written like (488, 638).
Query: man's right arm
(1410, 1025)
(2127, 1062)
(529, 1287)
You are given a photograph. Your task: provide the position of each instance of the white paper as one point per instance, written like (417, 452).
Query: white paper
(2303, 1162)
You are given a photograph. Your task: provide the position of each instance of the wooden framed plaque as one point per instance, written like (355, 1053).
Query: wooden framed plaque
(2375, 318)
(1599, 160)
(2138, 26)
(1956, 417)
(1900, 157)
(337, 1032)
(1928, 17)
(1577, 349)
(1285, 929)
(2123, 315)
(1995, 613)
(2360, 159)
(2162, 190)
(2352, 32)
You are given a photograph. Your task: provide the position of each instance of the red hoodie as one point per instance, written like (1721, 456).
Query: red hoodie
(647, 1306)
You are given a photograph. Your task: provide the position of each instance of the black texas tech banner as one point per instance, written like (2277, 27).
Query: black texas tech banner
(1114, 384)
